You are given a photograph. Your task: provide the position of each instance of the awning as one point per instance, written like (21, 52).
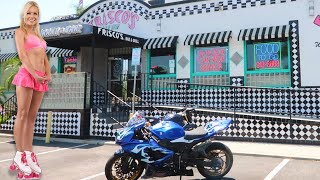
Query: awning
(6, 56)
(62, 52)
(208, 38)
(273, 32)
(161, 42)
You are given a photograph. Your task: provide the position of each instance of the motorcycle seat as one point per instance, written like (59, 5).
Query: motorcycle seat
(195, 133)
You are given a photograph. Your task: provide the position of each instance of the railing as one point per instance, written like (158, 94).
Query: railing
(113, 108)
(288, 102)
(8, 109)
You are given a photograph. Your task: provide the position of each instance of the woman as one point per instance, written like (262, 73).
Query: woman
(31, 83)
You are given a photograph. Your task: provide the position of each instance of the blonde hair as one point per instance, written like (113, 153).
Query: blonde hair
(25, 10)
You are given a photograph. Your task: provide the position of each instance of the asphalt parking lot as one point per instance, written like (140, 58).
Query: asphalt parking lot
(84, 161)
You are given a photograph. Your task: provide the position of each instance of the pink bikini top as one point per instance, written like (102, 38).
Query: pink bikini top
(32, 41)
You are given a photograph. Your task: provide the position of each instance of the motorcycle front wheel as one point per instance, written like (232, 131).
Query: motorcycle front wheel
(121, 166)
(218, 161)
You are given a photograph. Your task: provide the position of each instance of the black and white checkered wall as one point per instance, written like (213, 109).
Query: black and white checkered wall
(177, 10)
(244, 126)
(237, 81)
(9, 34)
(295, 54)
(202, 7)
(63, 123)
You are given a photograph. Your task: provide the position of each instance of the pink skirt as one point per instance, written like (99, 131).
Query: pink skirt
(25, 79)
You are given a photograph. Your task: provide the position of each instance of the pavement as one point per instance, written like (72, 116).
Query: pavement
(288, 151)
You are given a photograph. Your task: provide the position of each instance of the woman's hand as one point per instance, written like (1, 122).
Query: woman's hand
(47, 78)
(39, 79)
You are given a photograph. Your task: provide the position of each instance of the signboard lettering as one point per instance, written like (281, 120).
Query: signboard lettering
(211, 59)
(267, 55)
(116, 17)
(117, 35)
(58, 31)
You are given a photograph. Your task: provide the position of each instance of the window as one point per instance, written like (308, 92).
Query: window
(162, 61)
(211, 59)
(267, 55)
(268, 63)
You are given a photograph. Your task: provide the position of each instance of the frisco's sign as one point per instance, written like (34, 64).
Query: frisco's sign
(117, 35)
(116, 17)
(57, 31)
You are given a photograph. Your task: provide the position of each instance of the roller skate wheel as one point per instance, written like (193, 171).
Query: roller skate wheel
(35, 175)
(20, 175)
(13, 167)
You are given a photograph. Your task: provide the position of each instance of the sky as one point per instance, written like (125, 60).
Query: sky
(10, 10)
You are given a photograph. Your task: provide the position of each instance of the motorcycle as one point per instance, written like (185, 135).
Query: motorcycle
(168, 148)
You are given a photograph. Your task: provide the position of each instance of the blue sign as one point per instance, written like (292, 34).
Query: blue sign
(135, 56)
(267, 55)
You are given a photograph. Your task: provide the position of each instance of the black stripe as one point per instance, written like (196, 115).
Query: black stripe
(263, 32)
(201, 37)
(195, 39)
(224, 36)
(276, 33)
(218, 36)
(283, 33)
(190, 39)
(245, 34)
(257, 33)
(241, 31)
(250, 34)
(185, 41)
(270, 32)
(174, 41)
(206, 38)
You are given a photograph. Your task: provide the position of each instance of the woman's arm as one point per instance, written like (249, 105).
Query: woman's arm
(47, 68)
(19, 38)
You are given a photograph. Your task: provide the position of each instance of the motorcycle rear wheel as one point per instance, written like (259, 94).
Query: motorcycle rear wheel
(221, 159)
(121, 166)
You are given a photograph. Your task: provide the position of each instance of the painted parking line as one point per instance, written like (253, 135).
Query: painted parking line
(46, 152)
(6, 142)
(276, 169)
(93, 176)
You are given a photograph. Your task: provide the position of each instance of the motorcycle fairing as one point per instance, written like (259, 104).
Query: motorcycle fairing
(144, 151)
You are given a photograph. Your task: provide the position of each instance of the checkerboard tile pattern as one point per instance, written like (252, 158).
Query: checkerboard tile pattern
(295, 54)
(138, 8)
(9, 34)
(63, 123)
(209, 6)
(100, 127)
(237, 81)
(250, 127)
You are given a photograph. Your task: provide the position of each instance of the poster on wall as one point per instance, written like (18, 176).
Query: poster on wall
(267, 55)
(211, 59)
(70, 64)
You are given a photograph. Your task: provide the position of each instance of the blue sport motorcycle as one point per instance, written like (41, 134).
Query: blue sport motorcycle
(168, 148)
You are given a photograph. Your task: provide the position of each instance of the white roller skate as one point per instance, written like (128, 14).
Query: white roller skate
(20, 163)
(33, 163)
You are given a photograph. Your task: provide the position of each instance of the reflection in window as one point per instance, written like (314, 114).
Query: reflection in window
(211, 59)
(162, 61)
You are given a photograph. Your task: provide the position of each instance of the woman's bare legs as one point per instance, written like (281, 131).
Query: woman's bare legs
(29, 131)
(24, 97)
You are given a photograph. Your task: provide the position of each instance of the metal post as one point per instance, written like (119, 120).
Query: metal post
(48, 130)
(134, 87)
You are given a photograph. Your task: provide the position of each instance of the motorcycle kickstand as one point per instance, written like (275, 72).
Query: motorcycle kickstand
(180, 167)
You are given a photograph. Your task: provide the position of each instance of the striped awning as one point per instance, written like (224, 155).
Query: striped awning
(62, 53)
(208, 38)
(273, 32)
(6, 56)
(161, 42)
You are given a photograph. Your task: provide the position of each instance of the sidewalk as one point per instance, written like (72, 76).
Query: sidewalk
(291, 151)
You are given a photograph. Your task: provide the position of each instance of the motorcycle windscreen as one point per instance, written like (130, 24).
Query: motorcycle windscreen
(136, 118)
(218, 125)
